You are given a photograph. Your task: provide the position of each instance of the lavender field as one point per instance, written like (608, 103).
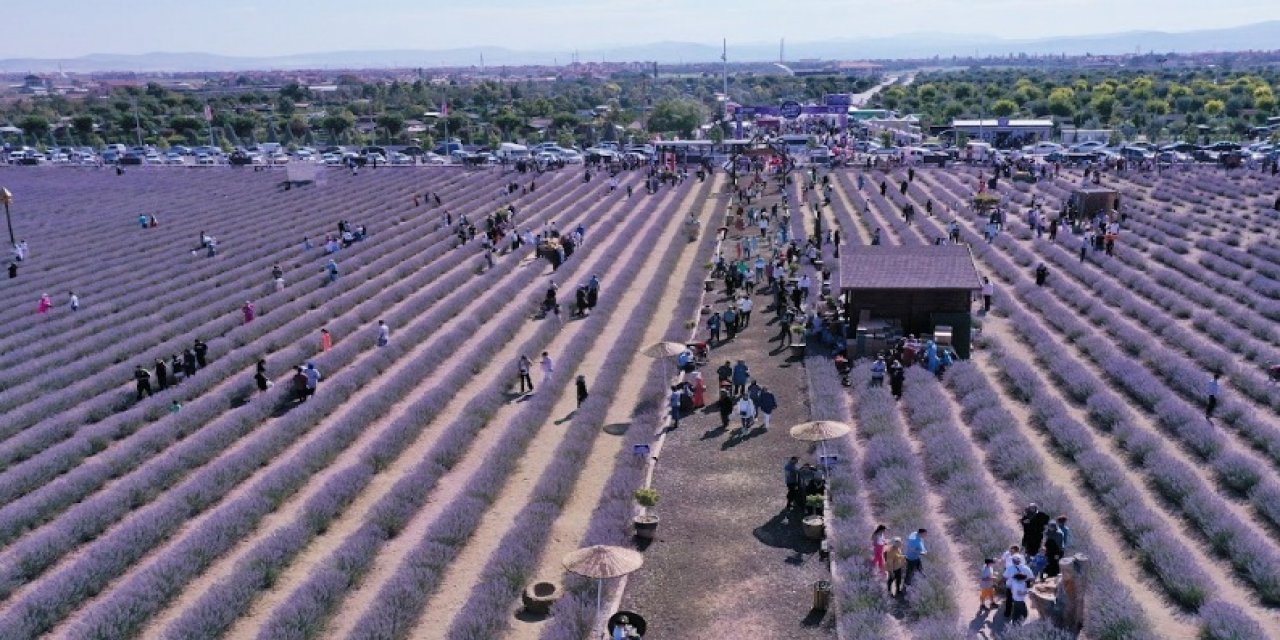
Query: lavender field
(418, 492)
(244, 514)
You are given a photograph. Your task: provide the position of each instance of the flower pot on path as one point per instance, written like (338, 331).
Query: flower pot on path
(813, 527)
(646, 526)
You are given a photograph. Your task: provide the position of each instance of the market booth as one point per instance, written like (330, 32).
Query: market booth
(893, 291)
(1090, 201)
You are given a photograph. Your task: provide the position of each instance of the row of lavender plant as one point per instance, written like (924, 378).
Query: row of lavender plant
(215, 317)
(112, 378)
(218, 609)
(949, 458)
(59, 254)
(862, 603)
(1257, 561)
(1160, 551)
(206, 487)
(307, 610)
(573, 616)
(1206, 353)
(139, 297)
(300, 325)
(1178, 374)
(896, 486)
(508, 571)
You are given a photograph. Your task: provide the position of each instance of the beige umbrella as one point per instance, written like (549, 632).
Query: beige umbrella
(602, 562)
(662, 351)
(820, 431)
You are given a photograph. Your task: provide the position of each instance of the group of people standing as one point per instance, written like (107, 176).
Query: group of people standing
(172, 371)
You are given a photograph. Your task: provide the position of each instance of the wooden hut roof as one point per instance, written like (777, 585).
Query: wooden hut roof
(908, 267)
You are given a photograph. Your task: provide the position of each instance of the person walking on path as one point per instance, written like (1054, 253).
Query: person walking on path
(877, 549)
(1066, 533)
(249, 311)
(74, 301)
(581, 383)
(526, 380)
(987, 585)
(332, 268)
(326, 339)
(1042, 275)
(13, 270)
(791, 477)
(548, 367)
(676, 399)
(1033, 523)
(730, 318)
(877, 372)
(894, 564)
(746, 412)
(1016, 611)
(767, 404)
(1017, 566)
(1211, 402)
(740, 376)
(988, 290)
(915, 552)
(384, 334)
(143, 378)
(1053, 550)
(897, 376)
(162, 374)
(724, 373)
(713, 324)
(745, 305)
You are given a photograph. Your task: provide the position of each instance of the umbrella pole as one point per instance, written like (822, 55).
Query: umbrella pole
(595, 623)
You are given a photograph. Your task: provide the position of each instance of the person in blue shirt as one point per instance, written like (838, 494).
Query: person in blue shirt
(915, 552)
(685, 361)
(740, 376)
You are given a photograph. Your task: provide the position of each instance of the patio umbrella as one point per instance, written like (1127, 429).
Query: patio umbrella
(662, 351)
(820, 431)
(602, 562)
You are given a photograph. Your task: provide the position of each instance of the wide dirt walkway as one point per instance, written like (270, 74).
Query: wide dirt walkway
(723, 558)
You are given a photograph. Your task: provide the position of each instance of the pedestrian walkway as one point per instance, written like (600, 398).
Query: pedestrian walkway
(727, 555)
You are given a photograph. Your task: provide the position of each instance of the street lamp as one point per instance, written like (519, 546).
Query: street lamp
(7, 197)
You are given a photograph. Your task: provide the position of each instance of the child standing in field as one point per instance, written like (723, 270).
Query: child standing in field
(326, 340)
(987, 585)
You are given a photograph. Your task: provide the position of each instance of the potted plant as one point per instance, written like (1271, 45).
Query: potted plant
(813, 522)
(646, 523)
(813, 504)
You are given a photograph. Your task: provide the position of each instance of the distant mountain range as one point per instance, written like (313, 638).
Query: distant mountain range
(1258, 36)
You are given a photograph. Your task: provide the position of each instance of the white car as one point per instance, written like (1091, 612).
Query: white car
(173, 158)
(571, 157)
(434, 159)
(205, 160)
(1042, 148)
(401, 159)
(279, 158)
(333, 160)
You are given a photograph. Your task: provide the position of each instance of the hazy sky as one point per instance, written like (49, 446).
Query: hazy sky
(69, 28)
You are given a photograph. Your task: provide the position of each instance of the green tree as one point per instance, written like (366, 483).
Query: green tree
(1004, 107)
(1062, 101)
(679, 116)
(1214, 108)
(392, 123)
(34, 125)
(1104, 104)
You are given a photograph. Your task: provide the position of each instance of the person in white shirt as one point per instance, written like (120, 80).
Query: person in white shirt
(988, 290)
(746, 411)
(75, 301)
(1016, 606)
(1212, 391)
(548, 367)
(384, 334)
(745, 305)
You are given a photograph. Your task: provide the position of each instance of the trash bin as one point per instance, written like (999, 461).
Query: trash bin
(821, 595)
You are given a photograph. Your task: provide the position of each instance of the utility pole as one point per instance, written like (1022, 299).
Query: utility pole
(724, 62)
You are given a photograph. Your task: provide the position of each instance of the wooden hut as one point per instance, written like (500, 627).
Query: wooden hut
(890, 291)
(1090, 201)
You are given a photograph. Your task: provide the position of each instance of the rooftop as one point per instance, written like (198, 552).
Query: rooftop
(909, 267)
(1001, 122)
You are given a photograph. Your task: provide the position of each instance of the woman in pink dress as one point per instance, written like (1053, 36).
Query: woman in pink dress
(45, 304)
(250, 312)
(699, 389)
(877, 549)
